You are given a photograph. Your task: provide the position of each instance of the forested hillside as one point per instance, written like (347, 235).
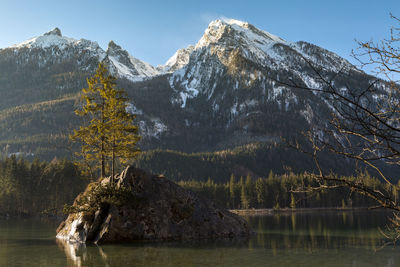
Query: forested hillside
(38, 187)
(257, 159)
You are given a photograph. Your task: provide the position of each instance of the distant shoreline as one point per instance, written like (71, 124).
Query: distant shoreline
(241, 212)
(297, 210)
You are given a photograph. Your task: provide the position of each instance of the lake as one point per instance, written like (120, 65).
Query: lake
(293, 239)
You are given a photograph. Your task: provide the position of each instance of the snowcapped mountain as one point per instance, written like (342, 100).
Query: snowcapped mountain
(233, 73)
(121, 63)
(245, 55)
(52, 46)
(54, 39)
(219, 93)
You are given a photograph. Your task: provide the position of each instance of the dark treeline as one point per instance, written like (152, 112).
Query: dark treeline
(256, 159)
(282, 191)
(37, 187)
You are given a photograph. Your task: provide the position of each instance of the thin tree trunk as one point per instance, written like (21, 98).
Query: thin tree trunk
(103, 167)
(113, 161)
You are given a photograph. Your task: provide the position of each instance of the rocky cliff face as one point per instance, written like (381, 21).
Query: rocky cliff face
(158, 210)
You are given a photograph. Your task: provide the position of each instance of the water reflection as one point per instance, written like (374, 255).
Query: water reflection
(310, 231)
(82, 255)
(150, 254)
(76, 253)
(294, 239)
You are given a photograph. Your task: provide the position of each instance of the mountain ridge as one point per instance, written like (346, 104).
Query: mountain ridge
(218, 94)
(215, 31)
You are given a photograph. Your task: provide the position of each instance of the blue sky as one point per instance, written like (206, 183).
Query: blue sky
(153, 30)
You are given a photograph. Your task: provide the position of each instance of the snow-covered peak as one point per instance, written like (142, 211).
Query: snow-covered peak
(124, 65)
(233, 54)
(251, 30)
(112, 46)
(232, 21)
(226, 35)
(54, 38)
(179, 59)
(229, 31)
(46, 40)
(55, 31)
(121, 63)
(114, 49)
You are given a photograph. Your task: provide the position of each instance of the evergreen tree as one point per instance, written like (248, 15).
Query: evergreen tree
(244, 198)
(292, 201)
(249, 190)
(260, 192)
(232, 190)
(271, 175)
(109, 133)
(245, 204)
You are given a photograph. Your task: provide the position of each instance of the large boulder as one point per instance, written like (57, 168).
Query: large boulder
(157, 209)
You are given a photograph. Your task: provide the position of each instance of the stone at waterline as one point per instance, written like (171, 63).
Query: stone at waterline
(161, 210)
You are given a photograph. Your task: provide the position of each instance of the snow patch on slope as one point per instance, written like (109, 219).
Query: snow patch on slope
(123, 70)
(132, 109)
(144, 68)
(189, 88)
(189, 93)
(126, 66)
(153, 128)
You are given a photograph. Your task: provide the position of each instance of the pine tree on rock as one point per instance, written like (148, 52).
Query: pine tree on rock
(109, 133)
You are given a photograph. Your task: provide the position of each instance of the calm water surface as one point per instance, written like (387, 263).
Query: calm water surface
(298, 239)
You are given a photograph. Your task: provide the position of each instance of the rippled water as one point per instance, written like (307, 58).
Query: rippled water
(296, 239)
